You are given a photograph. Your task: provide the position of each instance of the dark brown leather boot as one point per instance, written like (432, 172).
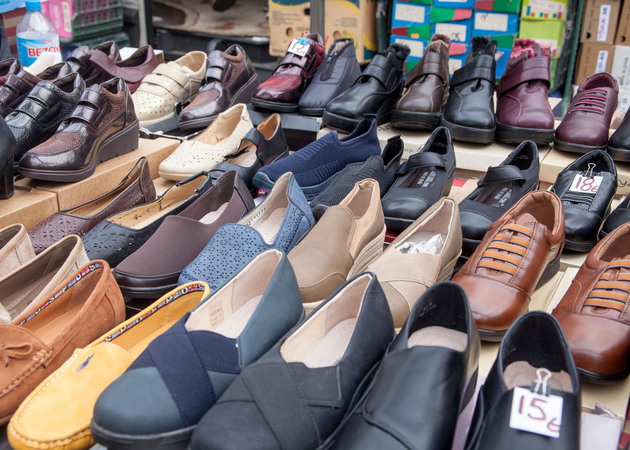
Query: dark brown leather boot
(421, 105)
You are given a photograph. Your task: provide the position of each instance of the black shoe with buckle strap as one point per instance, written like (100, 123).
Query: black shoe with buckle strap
(375, 91)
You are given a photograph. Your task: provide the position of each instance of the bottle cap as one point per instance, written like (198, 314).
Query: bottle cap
(33, 5)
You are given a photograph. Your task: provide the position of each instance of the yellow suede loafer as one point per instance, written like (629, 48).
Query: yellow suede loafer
(57, 414)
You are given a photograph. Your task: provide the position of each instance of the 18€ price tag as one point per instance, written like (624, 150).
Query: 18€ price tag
(589, 185)
(299, 46)
(539, 414)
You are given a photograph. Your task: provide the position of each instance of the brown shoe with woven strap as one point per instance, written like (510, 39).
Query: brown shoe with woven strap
(520, 251)
(83, 307)
(594, 311)
(136, 188)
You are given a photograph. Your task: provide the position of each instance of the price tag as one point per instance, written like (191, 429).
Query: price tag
(299, 46)
(536, 413)
(589, 185)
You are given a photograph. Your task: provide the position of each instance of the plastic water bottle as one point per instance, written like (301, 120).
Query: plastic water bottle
(35, 34)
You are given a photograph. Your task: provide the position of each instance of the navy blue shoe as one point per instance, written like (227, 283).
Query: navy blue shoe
(316, 165)
(182, 373)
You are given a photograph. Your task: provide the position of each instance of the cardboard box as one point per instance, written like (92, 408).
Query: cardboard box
(599, 21)
(457, 56)
(9, 21)
(106, 176)
(494, 24)
(593, 58)
(621, 65)
(458, 4)
(623, 101)
(544, 9)
(416, 46)
(623, 27)
(28, 206)
(355, 19)
(545, 32)
(508, 6)
(411, 20)
(455, 23)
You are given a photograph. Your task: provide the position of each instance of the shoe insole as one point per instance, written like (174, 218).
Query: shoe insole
(496, 195)
(521, 373)
(233, 326)
(245, 159)
(52, 328)
(19, 301)
(212, 216)
(424, 177)
(269, 228)
(329, 350)
(438, 337)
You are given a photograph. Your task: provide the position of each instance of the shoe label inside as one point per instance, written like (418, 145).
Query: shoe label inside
(587, 185)
(423, 178)
(299, 46)
(536, 413)
(502, 197)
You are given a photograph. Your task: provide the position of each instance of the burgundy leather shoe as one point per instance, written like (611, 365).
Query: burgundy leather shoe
(230, 79)
(19, 83)
(79, 60)
(523, 110)
(102, 126)
(283, 90)
(586, 123)
(8, 67)
(132, 70)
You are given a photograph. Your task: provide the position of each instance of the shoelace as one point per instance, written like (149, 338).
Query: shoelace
(7, 352)
(508, 247)
(592, 100)
(612, 290)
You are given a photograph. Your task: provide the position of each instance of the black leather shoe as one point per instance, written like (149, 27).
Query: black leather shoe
(375, 92)
(381, 168)
(620, 216)
(7, 148)
(339, 70)
(44, 108)
(260, 146)
(469, 111)
(433, 361)
(497, 191)
(619, 143)
(586, 188)
(421, 181)
(534, 343)
(295, 395)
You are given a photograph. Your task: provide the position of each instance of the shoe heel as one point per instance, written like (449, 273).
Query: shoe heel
(6, 182)
(369, 252)
(449, 184)
(469, 391)
(551, 269)
(246, 92)
(121, 143)
(447, 271)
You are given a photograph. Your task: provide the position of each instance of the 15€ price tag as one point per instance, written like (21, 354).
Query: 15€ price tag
(299, 47)
(539, 414)
(588, 185)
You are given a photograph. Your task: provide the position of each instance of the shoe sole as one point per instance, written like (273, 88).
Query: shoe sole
(412, 120)
(262, 181)
(582, 247)
(469, 134)
(274, 106)
(119, 143)
(314, 112)
(551, 269)
(171, 440)
(619, 154)
(348, 124)
(243, 95)
(372, 250)
(599, 378)
(146, 293)
(515, 135)
(574, 148)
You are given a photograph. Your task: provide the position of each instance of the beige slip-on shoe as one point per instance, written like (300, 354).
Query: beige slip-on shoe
(347, 237)
(29, 283)
(170, 83)
(15, 248)
(422, 255)
(205, 151)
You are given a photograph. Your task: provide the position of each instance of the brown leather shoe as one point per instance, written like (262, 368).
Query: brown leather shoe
(519, 251)
(16, 248)
(347, 237)
(230, 79)
(102, 126)
(136, 188)
(83, 307)
(593, 311)
(26, 285)
(132, 70)
(79, 60)
(18, 85)
(420, 107)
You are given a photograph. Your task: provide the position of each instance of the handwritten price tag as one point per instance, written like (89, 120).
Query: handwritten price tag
(588, 185)
(536, 413)
(299, 47)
